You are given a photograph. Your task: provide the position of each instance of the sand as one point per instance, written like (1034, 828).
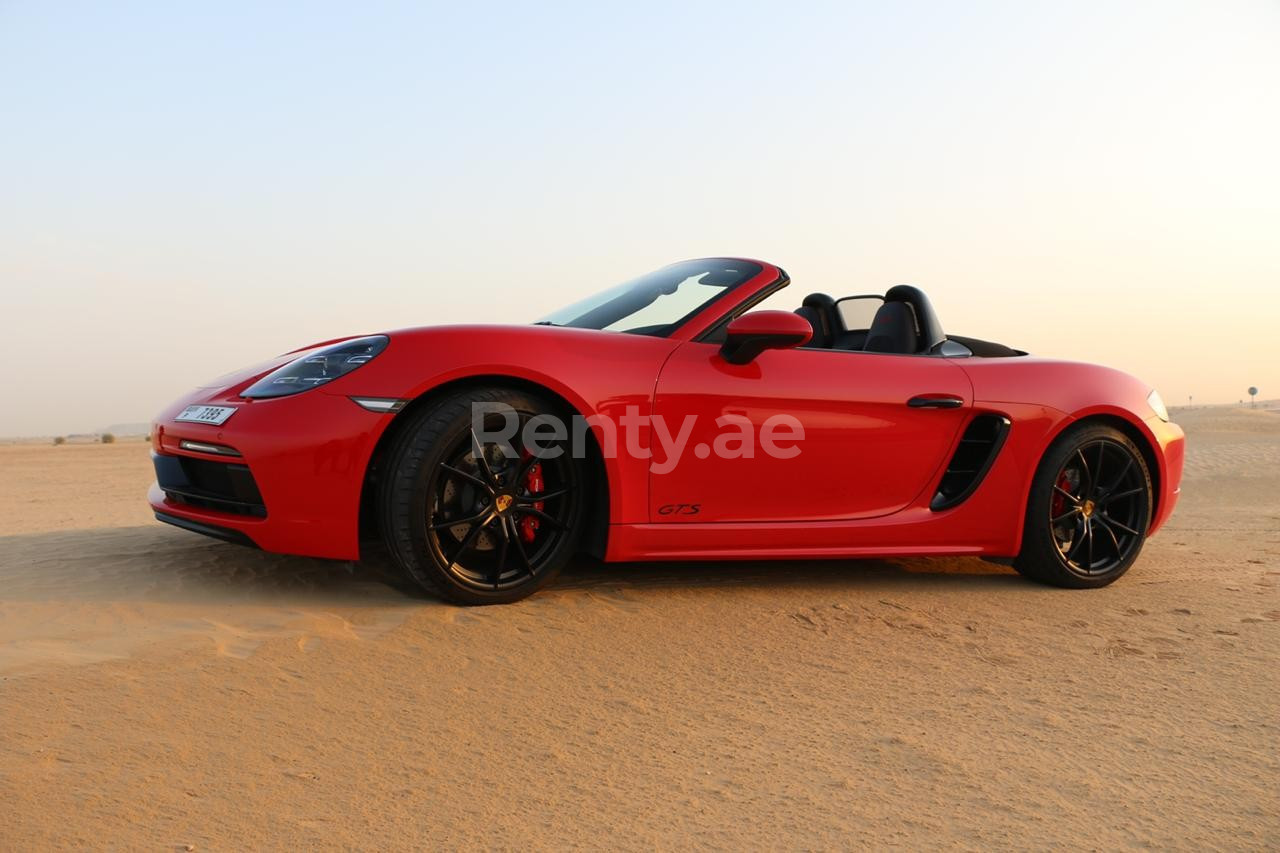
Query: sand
(160, 690)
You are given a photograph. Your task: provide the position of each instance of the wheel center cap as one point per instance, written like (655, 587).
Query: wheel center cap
(1087, 509)
(502, 503)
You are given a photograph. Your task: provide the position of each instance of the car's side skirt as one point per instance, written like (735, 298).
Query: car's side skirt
(910, 534)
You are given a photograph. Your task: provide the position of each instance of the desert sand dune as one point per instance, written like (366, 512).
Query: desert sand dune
(160, 690)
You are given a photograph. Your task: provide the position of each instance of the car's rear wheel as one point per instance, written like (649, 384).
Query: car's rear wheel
(473, 521)
(1089, 510)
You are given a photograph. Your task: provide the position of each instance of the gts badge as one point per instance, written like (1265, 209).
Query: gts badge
(680, 509)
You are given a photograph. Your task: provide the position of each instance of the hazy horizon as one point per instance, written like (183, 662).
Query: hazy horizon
(189, 190)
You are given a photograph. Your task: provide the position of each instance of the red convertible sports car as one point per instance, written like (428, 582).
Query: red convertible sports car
(665, 420)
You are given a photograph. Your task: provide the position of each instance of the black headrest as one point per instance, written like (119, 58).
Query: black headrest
(927, 323)
(814, 316)
(893, 330)
(820, 310)
(821, 301)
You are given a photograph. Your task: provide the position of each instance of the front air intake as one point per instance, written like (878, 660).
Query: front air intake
(205, 484)
(974, 456)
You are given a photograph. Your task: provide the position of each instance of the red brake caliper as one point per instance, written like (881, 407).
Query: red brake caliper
(532, 482)
(1059, 502)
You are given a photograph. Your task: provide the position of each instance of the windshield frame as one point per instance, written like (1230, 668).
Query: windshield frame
(753, 274)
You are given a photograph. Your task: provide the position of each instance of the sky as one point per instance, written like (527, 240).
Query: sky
(189, 188)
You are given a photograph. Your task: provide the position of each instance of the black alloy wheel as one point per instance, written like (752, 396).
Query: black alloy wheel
(1098, 506)
(481, 523)
(1089, 510)
(493, 520)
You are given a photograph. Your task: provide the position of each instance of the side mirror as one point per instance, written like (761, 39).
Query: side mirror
(751, 334)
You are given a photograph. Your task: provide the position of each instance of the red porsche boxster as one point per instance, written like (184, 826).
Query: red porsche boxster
(664, 419)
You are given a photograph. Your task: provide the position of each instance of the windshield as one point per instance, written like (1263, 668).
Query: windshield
(657, 303)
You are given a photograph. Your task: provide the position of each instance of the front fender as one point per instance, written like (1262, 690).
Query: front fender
(599, 374)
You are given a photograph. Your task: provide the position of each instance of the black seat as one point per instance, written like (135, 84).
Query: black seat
(893, 330)
(820, 310)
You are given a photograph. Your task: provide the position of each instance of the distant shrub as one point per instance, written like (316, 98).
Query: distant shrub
(62, 439)
(108, 438)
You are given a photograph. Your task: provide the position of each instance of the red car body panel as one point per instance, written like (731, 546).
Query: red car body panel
(860, 487)
(865, 452)
(1087, 391)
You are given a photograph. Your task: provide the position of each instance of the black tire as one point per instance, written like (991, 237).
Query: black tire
(1089, 510)
(459, 522)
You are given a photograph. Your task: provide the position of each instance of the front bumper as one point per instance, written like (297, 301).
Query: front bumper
(305, 455)
(226, 534)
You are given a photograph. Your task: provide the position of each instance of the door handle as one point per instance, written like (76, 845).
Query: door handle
(935, 401)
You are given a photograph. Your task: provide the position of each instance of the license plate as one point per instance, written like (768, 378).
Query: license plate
(216, 415)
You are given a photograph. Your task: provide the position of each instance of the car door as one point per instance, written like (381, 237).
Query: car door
(876, 431)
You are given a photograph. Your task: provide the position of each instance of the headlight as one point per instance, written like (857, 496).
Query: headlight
(317, 368)
(1157, 406)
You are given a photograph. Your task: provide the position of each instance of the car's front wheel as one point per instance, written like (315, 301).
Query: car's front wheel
(470, 519)
(1089, 510)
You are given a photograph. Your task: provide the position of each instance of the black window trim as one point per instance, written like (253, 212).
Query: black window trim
(742, 307)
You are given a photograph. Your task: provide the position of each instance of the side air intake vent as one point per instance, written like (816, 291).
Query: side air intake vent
(978, 448)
